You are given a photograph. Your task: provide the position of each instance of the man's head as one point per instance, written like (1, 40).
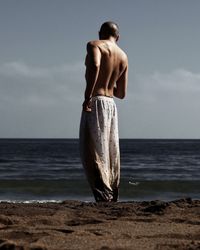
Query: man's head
(109, 29)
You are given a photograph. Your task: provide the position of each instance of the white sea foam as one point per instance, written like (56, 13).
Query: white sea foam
(31, 201)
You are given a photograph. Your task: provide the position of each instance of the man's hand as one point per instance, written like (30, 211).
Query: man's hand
(87, 106)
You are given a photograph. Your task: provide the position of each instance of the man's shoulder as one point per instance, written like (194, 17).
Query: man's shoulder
(94, 43)
(123, 55)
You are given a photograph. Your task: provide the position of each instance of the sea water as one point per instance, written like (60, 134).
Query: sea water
(33, 170)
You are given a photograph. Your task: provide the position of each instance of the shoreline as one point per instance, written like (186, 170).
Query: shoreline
(73, 224)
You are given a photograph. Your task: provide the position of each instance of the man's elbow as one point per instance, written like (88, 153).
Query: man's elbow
(120, 95)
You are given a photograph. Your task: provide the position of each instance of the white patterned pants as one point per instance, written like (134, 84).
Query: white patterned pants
(99, 148)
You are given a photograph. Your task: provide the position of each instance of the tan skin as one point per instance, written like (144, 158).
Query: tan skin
(106, 70)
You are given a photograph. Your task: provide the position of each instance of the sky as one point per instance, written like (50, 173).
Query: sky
(42, 52)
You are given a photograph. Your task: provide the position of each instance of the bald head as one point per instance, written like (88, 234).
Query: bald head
(109, 29)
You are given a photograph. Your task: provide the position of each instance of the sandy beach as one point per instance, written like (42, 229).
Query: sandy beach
(103, 226)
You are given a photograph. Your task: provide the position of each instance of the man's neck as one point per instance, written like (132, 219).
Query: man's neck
(111, 39)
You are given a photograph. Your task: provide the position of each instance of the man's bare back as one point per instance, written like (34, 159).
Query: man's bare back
(106, 76)
(106, 69)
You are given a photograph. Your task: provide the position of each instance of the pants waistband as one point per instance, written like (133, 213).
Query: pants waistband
(103, 95)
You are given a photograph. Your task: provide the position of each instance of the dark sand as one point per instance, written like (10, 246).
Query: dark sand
(124, 225)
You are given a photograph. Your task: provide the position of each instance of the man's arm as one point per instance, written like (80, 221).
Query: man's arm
(121, 84)
(92, 64)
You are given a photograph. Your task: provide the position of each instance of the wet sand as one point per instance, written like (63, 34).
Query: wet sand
(103, 226)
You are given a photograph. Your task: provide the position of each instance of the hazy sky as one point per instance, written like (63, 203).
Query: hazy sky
(42, 50)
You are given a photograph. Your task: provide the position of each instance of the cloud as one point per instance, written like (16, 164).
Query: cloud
(162, 105)
(40, 101)
(46, 102)
(161, 86)
(19, 68)
(21, 82)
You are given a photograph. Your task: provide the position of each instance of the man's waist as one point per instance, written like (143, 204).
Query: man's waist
(103, 95)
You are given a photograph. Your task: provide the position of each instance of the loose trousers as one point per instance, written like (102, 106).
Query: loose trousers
(99, 148)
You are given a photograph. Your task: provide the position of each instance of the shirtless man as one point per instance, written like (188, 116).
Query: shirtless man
(106, 76)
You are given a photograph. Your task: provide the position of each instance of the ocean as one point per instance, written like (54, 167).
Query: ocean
(33, 170)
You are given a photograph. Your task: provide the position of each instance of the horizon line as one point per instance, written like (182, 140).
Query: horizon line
(76, 138)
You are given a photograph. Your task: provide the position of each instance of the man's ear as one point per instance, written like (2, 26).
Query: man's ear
(117, 38)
